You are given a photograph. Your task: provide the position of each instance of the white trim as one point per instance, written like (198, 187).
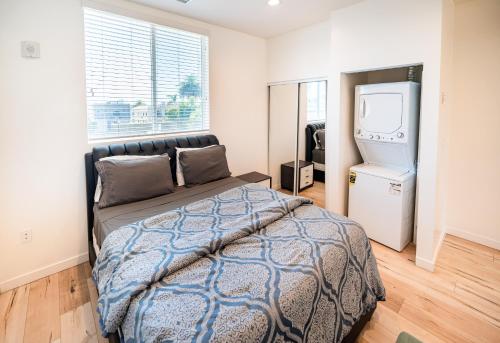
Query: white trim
(473, 237)
(382, 67)
(287, 82)
(141, 12)
(425, 264)
(431, 264)
(43, 272)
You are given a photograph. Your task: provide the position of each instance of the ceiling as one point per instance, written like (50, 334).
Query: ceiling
(254, 17)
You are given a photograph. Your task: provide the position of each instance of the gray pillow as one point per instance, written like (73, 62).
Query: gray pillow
(204, 165)
(319, 136)
(125, 181)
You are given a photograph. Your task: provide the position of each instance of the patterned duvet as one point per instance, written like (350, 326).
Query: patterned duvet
(248, 265)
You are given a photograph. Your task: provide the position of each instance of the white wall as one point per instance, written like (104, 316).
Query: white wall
(43, 126)
(445, 114)
(300, 54)
(297, 55)
(350, 151)
(410, 33)
(472, 178)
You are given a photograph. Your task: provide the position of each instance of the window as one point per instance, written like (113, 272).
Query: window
(143, 78)
(316, 101)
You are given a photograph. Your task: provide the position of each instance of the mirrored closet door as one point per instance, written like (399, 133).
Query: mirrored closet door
(283, 124)
(297, 115)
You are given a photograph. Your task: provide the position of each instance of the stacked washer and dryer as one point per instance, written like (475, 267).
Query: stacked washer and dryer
(382, 189)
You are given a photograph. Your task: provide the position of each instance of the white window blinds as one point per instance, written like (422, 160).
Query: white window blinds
(143, 78)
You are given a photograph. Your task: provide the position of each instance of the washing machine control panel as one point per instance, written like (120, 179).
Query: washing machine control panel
(393, 137)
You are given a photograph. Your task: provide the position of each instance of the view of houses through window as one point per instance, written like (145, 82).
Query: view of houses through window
(143, 79)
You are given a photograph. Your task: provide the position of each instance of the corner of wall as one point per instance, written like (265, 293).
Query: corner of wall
(427, 264)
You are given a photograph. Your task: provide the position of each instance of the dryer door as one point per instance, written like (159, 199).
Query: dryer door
(380, 112)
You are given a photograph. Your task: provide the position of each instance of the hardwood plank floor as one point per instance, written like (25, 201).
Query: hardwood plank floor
(316, 193)
(73, 290)
(13, 309)
(458, 302)
(43, 318)
(77, 325)
(434, 303)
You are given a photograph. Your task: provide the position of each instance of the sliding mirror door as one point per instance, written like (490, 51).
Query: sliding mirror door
(297, 115)
(312, 120)
(283, 123)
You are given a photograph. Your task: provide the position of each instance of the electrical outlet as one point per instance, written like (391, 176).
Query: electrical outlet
(26, 236)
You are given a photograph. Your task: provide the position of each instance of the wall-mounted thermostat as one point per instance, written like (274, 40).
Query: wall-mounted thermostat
(30, 49)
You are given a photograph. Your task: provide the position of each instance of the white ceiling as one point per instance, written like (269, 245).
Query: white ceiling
(254, 16)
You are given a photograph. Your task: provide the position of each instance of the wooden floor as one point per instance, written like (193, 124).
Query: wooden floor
(459, 302)
(316, 193)
(58, 308)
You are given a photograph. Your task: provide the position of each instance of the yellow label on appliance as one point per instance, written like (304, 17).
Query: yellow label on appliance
(352, 178)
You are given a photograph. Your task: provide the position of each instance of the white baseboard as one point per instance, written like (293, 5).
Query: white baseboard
(480, 239)
(425, 263)
(431, 264)
(42, 272)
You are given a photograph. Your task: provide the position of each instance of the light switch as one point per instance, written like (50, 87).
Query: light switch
(30, 49)
(443, 98)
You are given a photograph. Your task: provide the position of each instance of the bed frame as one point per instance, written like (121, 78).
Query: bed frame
(350, 338)
(159, 147)
(319, 175)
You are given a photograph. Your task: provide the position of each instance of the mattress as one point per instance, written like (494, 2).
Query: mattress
(109, 219)
(318, 156)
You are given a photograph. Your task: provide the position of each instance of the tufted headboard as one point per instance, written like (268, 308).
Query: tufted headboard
(156, 147)
(310, 142)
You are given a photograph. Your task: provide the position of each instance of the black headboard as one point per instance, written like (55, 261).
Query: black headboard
(310, 142)
(156, 147)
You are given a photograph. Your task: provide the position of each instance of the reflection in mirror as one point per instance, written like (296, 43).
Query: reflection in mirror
(312, 147)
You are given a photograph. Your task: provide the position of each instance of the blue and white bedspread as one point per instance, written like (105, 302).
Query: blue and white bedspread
(248, 265)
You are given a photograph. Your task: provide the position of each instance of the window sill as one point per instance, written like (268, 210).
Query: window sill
(95, 142)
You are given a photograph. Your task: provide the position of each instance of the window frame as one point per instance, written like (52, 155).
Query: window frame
(204, 74)
(318, 102)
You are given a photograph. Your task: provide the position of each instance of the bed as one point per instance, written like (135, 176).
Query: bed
(315, 153)
(226, 261)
